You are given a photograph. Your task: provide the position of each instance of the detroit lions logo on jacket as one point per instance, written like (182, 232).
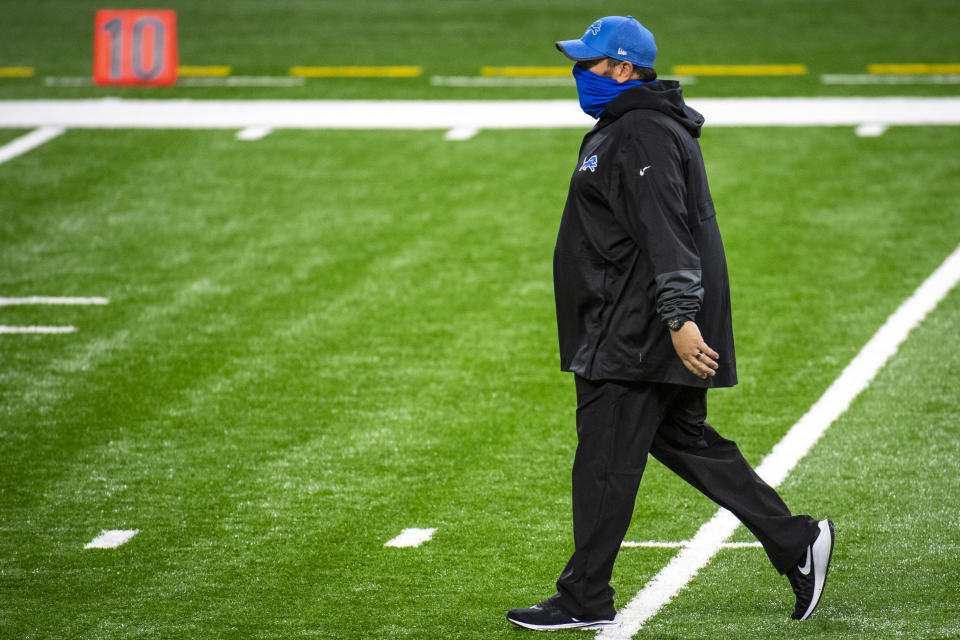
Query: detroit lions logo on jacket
(589, 163)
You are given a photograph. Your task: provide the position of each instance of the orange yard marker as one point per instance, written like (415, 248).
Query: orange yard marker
(135, 47)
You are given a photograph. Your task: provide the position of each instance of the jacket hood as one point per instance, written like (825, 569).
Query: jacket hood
(665, 96)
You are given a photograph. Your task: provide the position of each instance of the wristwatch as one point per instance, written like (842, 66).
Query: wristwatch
(676, 322)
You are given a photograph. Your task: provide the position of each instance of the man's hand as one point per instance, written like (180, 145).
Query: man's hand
(697, 356)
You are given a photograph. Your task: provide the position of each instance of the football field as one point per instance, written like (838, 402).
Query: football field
(312, 343)
(266, 359)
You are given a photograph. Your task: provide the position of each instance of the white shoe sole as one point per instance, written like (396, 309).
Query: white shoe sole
(580, 626)
(822, 552)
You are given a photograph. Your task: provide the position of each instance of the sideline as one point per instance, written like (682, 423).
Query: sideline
(792, 448)
(115, 113)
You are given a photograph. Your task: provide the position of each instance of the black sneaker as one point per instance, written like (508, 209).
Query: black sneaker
(808, 577)
(549, 616)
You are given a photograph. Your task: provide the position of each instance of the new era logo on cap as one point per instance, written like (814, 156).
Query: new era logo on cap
(620, 37)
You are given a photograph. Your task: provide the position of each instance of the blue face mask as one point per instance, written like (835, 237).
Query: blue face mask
(596, 91)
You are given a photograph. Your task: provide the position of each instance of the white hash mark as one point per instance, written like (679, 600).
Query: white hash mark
(411, 538)
(111, 538)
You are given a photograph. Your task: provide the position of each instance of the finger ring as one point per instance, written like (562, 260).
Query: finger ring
(699, 353)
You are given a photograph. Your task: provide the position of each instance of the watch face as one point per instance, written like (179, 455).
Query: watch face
(675, 324)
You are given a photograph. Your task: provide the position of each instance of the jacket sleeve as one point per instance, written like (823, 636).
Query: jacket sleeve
(650, 203)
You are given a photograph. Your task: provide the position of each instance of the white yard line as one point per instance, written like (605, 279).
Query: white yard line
(64, 300)
(40, 330)
(455, 114)
(411, 538)
(654, 544)
(29, 141)
(111, 538)
(792, 448)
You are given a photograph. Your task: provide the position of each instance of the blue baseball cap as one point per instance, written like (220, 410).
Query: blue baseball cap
(617, 37)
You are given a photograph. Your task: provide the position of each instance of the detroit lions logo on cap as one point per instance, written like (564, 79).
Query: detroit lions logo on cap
(595, 27)
(589, 163)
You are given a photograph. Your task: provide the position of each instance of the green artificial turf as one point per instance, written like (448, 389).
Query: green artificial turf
(459, 37)
(885, 474)
(8, 135)
(320, 338)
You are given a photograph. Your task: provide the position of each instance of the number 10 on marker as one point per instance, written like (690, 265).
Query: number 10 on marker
(135, 47)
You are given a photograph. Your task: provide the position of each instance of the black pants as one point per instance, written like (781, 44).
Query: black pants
(618, 424)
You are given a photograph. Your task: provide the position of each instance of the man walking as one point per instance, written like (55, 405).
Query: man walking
(643, 313)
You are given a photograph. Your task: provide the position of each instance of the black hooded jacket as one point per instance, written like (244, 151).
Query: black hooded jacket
(639, 244)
